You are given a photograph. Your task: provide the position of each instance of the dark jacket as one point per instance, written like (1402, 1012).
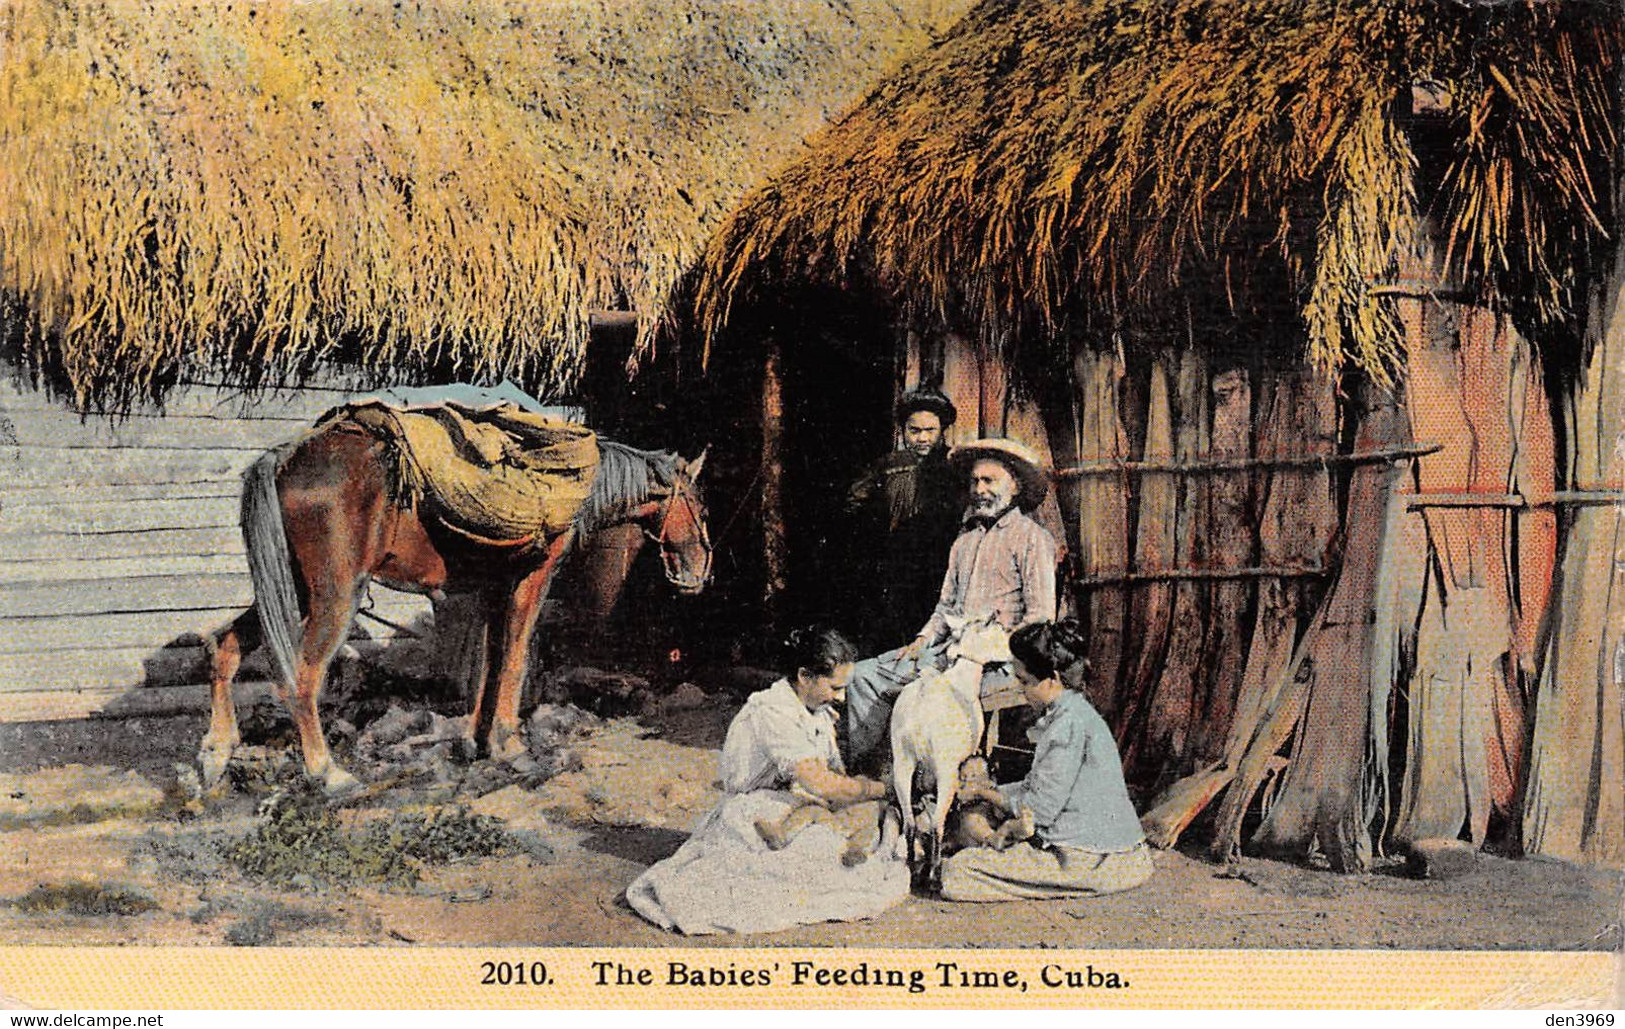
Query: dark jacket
(906, 511)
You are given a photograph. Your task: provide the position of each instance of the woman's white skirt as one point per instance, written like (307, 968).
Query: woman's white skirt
(724, 879)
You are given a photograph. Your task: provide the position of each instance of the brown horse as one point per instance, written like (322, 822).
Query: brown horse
(322, 518)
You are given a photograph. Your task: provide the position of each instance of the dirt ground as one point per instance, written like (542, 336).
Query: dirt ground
(100, 845)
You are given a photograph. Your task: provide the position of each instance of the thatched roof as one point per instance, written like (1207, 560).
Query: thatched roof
(258, 188)
(1055, 164)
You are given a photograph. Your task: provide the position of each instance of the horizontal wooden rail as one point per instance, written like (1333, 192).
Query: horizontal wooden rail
(233, 389)
(1562, 498)
(1181, 574)
(1238, 464)
(134, 490)
(138, 531)
(1420, 290)
(168, 448)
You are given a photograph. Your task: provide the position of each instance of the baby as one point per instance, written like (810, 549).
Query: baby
(980, 817)
(859, 823)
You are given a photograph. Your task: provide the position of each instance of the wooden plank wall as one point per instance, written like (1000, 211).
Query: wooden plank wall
(119, 544)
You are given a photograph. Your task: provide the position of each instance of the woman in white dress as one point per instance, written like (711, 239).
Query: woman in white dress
(725, 878)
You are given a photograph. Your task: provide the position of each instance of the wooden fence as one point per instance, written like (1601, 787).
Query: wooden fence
(119, 544)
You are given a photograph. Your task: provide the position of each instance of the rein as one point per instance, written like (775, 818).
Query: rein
(743, 502)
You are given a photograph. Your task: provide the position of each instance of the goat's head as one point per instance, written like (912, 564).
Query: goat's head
(982, 644)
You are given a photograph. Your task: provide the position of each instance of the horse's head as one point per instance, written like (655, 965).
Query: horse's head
(678, 521)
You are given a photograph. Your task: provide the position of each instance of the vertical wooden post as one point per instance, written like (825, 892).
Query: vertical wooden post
(1297, 522)
(990, 393)
(1002, 414)
(932, 352)
(1155, 548)
(1533, 533)
(1103, 544)
(1171, 706)
(1233, 541)
(1465, 754)
(1058, 406)
(1324, 798)
(905, 373)
(775, 551)
(909, 368)
(962, 382)
(1573, 807)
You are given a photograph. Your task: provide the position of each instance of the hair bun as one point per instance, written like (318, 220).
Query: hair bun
(817, 648)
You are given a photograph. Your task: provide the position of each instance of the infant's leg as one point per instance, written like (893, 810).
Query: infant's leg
(861, 823)
(976, 825)
(777, 835)
(1013, 830)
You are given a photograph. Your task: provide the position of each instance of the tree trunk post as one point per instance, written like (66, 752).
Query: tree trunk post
(775, 549)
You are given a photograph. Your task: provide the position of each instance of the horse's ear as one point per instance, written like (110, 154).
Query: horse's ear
(697, 464)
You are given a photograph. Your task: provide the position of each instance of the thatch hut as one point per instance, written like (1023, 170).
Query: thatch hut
(202, 202)
(1311, 304)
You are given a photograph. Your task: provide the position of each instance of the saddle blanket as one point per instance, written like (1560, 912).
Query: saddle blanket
(497, 474)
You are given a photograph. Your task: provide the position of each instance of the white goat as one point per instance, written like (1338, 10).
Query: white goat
(935, 725)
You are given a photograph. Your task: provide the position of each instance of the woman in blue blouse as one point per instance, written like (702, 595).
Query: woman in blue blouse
(1088, 840)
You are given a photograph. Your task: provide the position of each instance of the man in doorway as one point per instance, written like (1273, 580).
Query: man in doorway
(1001, 569)
(907, 508)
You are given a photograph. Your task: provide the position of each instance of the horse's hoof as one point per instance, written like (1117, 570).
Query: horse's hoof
(338, 783)
(212, 762)
(510, 750)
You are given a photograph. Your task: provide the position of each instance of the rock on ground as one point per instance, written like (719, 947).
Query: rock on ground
(604, 693)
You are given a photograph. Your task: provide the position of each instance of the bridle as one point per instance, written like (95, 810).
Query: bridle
(670, 563)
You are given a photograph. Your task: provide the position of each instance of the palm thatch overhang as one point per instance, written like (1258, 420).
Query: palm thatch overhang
(1054, 170)
(259, 189)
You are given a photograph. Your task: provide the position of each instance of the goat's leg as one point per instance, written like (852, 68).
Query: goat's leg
(902, 780)
(226, 647)
(947, 787)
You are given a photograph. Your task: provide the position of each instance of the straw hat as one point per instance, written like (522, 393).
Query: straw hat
(1032, 478)
(927, 399)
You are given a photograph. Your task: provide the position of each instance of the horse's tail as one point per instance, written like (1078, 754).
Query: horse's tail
(270, 564)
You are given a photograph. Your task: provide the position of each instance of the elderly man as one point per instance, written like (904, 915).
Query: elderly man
(907, 507)
(1001, 569)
